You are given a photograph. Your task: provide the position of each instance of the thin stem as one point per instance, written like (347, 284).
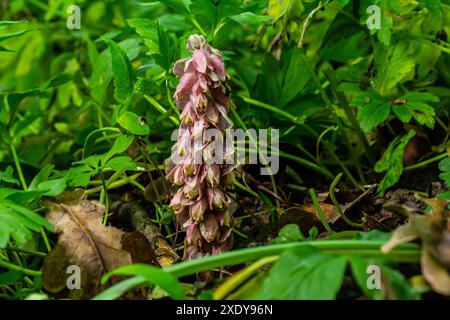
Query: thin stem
(161, 109)
(319, 211)
(406, 252)
(261, 156)
(306, 163)
(337, 205)
(46, 241)
(116, 184)
(14, 267)
(425, 162)
(273, 109)
(330, 107)
(18, 167)
(235, 281)
(295, 120)
(24, 251)
(248, 190)
(106, 200)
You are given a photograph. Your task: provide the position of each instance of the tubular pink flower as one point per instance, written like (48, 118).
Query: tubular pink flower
(201, 203)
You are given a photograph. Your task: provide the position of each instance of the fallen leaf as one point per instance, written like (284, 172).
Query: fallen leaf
(432, 229)
(436, 275)
(139, 247)
(84, 242)
(306, 217)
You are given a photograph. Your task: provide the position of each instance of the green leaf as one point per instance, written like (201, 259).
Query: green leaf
(394, 65)
(414, 105)
(180, 5)
(15, 98)
(392, 162)
(289, 233)
(133, 123)
(444, 195)
(18, 223)
(162, 46)
(89, 143)
(122, 72)
(123, 162)
(121, 144)
(304, 274)
(344, 41)
(399, 284)
(295, 75)
(388, 8)
(374, 110)
(152, 275)
(58, 80)
(7, 176)
(8, 278)
(359, 267)
(5, 23)
(213, 11)
(250, 18)
(120, 288)
(7, 36)
(444, 166)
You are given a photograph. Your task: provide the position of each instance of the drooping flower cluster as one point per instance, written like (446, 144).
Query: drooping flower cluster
(203, 174)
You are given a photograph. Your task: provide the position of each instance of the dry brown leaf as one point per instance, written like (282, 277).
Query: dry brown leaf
(431, 228)
(83, 241)
(139, 247)
(436, 275)
(402, 234)
(305, 216)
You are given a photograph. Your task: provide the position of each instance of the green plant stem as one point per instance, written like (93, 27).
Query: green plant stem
(262, 157)
(338, 206)
(13, 267)
(18, 167)
(330, 107)
(402, 253)
(273, 109)
(308, 164)
(24, 251)
(319, 211)
(235, 281)
(296, 120)
(426, 162)
(198, 26)
(240, 234)
(104, 198)
(161, 109)
(407, 252)
(171, 102)
(46, 241)
(116, 184)
(248, 190)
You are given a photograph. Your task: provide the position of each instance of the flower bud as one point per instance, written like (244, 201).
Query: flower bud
(197, 211)
(213, 174)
